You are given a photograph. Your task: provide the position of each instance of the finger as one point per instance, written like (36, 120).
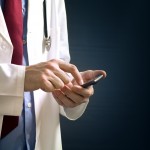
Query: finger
(62, 75)
(47, 86)
(64, 99)
(52, 66)
(75, 97)
(53, 79)
(98, 72)
(56, 81)
(50, 82)
(71, 69)
(91, 74)
(84, 92)
(57, 99)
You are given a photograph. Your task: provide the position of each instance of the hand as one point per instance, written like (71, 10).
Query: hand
(72, 94)
(50, 75)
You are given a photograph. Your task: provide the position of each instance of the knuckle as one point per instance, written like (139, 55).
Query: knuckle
(60, 85)
(66, 81)
(51, 65)
(54, 60)
(42, 77)
(46, 71)
(73, 67)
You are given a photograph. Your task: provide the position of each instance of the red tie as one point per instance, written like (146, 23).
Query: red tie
(14, 22)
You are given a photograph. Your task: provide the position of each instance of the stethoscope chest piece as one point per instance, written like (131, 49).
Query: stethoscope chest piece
(48, 43)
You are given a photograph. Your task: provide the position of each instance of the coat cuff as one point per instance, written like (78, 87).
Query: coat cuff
(11, 95)
(74, 113)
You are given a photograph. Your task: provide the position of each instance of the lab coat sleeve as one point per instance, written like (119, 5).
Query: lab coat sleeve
(11, 89)
(11, 76)
(76, 112)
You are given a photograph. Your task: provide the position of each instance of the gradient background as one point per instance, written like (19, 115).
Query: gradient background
(111, 35)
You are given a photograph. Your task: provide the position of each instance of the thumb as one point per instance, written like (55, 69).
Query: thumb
(99, 72)
(91, 74)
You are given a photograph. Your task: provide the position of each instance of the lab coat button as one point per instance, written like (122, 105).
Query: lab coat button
(29, 105)
(24, 42)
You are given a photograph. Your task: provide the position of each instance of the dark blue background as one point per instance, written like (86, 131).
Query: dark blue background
(111, 35)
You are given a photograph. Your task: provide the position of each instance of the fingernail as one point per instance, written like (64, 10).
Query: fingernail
(80, 82)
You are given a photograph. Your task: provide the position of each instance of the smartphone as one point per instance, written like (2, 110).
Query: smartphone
(92, 82)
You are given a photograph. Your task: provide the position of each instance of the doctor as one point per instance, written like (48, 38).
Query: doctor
(41, 89)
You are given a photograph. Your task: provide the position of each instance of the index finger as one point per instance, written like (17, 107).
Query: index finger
(70, 68)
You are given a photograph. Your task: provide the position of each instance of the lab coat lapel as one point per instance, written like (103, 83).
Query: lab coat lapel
(6, 47)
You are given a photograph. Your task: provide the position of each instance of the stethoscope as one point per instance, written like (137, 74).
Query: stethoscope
(47, 37)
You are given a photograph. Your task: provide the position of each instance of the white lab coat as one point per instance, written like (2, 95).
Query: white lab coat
(12, 76)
